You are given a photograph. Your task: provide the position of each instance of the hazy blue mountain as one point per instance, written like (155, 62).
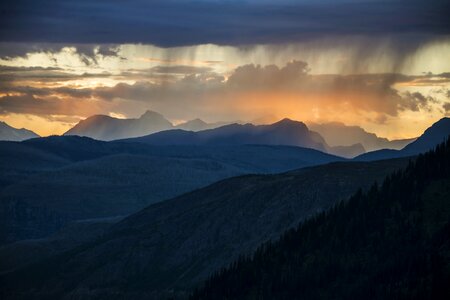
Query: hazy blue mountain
(8, 133)
(284, 132)
(47, 182)
(434, 135)
(198, 125)
(175, 244)
(107, 128)
(339, 134)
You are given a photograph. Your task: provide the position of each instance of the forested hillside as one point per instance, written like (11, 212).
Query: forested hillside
(391, 242)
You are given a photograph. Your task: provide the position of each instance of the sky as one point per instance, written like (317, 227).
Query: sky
(381, 65)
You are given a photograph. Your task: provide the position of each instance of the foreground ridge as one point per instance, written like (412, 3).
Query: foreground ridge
(392, 242)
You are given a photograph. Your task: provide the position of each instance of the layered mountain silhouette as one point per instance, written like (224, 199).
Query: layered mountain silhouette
(47, 182)
(434, 135)
(339, 134)
(172, 246)
(106, 128)
(336, 138)
(284, 132)
(148, 241)
(8, 133)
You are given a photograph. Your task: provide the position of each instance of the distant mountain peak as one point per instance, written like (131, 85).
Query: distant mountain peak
(98, 117)
(9, 133)
(103, 127)
(197, 125)
(197, 120)
(151, 114)
(289, 121)
(286, 122)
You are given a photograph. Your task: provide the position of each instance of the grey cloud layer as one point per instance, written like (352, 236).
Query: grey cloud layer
(176, 22)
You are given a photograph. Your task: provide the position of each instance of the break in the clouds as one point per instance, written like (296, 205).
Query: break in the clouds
(184, 22)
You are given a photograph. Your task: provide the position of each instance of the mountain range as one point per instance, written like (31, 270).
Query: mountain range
(289, 132)
(284, 132)
(8, 133)
(334, 138)
(339, 134)
(106, 128)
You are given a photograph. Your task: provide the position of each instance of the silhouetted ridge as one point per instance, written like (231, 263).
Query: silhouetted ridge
(286, 122)
(434, 135)
(431, 137)
(392, 242)
(285, 132)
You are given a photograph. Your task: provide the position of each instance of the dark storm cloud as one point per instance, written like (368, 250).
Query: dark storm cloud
(40, 74)
(270, 76)
(417, 101)
(446, 107)
(32, 105)
(175, 22)
(87, 52)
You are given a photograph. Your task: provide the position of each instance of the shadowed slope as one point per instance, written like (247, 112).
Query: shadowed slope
(392, 242)
(177, 243)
